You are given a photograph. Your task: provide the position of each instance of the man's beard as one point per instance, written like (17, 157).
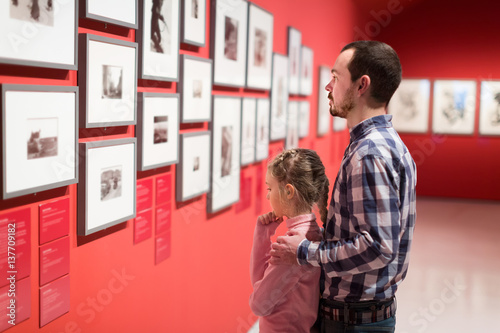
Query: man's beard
(347, 105)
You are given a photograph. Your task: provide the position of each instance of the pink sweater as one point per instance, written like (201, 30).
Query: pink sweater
(286, 297)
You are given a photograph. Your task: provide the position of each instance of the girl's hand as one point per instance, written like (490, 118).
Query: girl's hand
(269, 218)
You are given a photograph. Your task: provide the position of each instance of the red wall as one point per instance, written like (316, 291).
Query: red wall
(447, 39)
(204, 284)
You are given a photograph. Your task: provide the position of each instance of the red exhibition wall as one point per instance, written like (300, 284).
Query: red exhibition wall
(448, 40)
(203, 285)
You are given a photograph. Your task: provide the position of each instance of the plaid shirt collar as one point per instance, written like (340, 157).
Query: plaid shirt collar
(367, 125)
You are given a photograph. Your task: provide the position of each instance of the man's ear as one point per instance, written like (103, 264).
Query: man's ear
(289, 191)
(364, 84)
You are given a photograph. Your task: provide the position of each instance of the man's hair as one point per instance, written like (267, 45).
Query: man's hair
(380, 62)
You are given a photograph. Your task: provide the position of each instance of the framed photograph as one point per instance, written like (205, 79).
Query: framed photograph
(489, 112)
(158, 37)
(195, 89)
(39, 138)
(294, 51)
(225, 174)
(193, 22)
(304, 116)
(306, 71)
(229, 41)
(193, 171)
(39, 33)
(107, 81)
(260, 48)
(157, 130)
(262, 129)
(292, 125)
(323, 105)
(339, 124)
(107, 187)
(454, 106)
(409, 106)
(279, 97)
(118, 12)
(248, 128)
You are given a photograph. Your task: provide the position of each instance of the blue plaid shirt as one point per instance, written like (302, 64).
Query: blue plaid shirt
(371, 218)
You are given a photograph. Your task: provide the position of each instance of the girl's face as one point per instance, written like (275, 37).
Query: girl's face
(273, 195)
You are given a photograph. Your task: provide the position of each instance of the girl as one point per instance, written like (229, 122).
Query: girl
(287, 297)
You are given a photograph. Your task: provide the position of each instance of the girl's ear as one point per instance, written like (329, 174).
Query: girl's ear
(289, 191)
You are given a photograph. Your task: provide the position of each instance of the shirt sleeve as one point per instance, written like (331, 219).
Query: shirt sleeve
(271, 283)
(373, 200)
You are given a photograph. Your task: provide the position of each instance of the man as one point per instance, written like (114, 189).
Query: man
(365, 251)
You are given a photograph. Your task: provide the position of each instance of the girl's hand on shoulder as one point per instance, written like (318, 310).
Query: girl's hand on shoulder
(269, 218)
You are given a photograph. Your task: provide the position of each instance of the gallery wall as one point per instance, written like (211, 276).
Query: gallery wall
(203, 283)
(448, 40)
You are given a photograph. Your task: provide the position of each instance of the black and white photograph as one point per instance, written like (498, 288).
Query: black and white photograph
(292, 125)
(262, 129)
(107, 184)
(304, 118)
(231, 38)
(306, 71)
(159, 39)
(409, 106)
(294, 51)
(279, 97)
(226, 150)
(161, 33)
(111, 183)
(118, 12)
(161, 129)
(40, 33)
(323, 106)
(226, 147)
(193, 172)
(248, 130)
(157, 130)
(489, 112)
(454, 106)
(112, 78)
(42, 137)
(108, 81)
(39, 11)
(195, 88)
(229, 49)
(39, 138)
(193, 22)
(260, 47)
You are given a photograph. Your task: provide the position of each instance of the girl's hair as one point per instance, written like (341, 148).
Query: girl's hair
(303, 169)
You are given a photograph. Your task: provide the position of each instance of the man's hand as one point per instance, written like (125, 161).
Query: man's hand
(269, 218)
(284, 251)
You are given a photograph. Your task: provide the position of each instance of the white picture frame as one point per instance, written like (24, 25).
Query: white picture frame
(49, 40)
(304, 118)
(279, 97)
(324, 115)
(454, 107)
(195, 89)
(118, 12)
(292, 125)
(107, 81)
(262, 129)
(489, 112)
(42, 122)
(339, 124)
(193, 170)
(157, 130)
(107, 187)
(225, 171)
(294, 51)
(248, 128)
(194, 15)
(229, 42)
(409, 106)
(260, 48)
(159, 46)
(306, 71)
